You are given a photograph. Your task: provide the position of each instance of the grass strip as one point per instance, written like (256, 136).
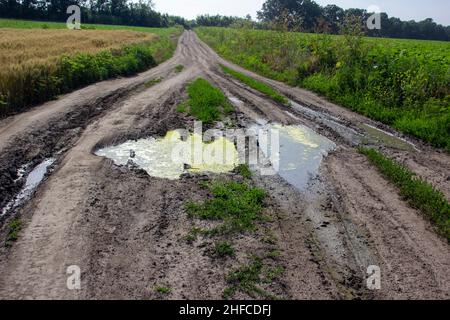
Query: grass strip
(257, 85)
(206, 102)
(238, 205)
(419, 193)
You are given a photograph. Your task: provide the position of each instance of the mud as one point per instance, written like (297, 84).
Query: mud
(127, 230)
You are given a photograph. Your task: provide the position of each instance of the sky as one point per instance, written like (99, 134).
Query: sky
(417, 10)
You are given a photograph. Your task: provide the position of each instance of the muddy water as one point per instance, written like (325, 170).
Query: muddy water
(34, 178)
(172, 156)
(301, 151)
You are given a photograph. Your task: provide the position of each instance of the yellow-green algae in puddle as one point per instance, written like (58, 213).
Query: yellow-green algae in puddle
(167, 157)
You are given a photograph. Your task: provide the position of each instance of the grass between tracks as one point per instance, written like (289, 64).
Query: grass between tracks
(257, 85)
(206, 102)
(419, 193)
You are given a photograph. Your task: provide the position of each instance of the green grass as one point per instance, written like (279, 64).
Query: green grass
(163, 289)
(257, 85)
(206, 102)
(179, 68)
(249, 277)
(223, 249)
(402, 83)
(238, 205)
(14, 228)
(153, 82)
(419, 194)
(244, 171)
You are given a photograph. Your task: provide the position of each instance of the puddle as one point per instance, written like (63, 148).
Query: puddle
(330, 121)
(388, 139)
(34, 178)
(172, 156)
(301, 151)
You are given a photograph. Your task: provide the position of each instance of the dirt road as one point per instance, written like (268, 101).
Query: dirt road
(125, 229)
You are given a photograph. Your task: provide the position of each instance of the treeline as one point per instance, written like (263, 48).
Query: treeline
(119, 12)
(308, 16)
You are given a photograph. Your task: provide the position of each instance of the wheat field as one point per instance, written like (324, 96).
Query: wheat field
(37, 46)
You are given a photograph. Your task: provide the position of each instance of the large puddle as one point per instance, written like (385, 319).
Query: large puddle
(293, 152)
(301, 151)
(34, 178)
(172, 156)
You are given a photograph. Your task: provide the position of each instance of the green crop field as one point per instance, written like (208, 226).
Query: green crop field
(403, 83)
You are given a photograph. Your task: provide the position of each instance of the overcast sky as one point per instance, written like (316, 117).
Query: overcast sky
(439, 10)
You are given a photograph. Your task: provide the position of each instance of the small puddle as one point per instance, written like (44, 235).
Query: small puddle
(301, 151)
(387, 139)
(34, 178)
(172, 156)
(330, 121)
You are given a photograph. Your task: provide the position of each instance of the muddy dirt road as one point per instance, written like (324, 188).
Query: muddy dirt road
(125, 229)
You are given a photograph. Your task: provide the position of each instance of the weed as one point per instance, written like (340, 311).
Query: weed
(14, 228)
(223, 249)
(237, 204)
(179, 68)
(419, 193)
(247, 279)
(153, 82)
(163, 289)
(244, 171)
(257, 85)
(271, 273)
(274, 254)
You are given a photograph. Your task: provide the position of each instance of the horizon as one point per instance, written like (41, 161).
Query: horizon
(403, 9)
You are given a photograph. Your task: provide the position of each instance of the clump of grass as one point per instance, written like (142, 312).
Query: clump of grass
(238, 205)
(223, 249)
(153, 82)
(257, 85)
(274, 254)
(14, 228)
(206, 102)
(163, 289)
(244, 171)
(193, 234)
(248, 278)
(182, 107)
(179, 68)
(419, 193)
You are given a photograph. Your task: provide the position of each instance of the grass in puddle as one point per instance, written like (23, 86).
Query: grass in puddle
(249, 277)
(223, 249)
(14, 228)
(238, 205)
(419, 194)
(206, 102)
(257, 85)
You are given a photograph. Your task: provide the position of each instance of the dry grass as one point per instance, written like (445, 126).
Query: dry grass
(37, 46)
